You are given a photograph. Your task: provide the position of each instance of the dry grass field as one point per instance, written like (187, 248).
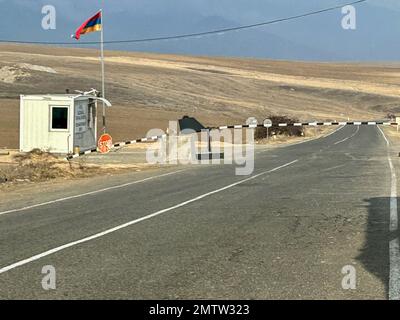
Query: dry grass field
(148, 90)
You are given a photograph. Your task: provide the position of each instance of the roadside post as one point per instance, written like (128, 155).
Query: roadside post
(252, 122)
(267, 124)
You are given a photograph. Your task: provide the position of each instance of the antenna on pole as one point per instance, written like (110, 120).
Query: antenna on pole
(102, 66)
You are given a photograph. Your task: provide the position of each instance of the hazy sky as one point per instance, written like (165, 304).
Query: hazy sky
(377, 36)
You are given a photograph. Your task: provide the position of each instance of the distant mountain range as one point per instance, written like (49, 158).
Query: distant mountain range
(321, 37)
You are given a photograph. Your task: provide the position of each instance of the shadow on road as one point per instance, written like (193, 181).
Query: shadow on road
(375, 253)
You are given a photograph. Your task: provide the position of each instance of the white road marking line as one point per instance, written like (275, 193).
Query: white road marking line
(305, 141)
(87, 193)
(394, 252)
(394, 221)
(125, 225)
(329, 134)
(394, 248)
(333, 168)
(358, 129)
(384, 136)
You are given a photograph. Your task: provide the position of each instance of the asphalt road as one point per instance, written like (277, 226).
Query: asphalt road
(285, 232)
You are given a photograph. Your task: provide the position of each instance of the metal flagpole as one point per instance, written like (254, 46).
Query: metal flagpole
(103, 94)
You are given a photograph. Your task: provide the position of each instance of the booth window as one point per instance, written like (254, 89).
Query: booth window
(59, 118)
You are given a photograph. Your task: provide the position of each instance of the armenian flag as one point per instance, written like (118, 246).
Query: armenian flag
(93, 24)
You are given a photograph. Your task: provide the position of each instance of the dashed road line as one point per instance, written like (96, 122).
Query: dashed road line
(348, 138)
(333, 132)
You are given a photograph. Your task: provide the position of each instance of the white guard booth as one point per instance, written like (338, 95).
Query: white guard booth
(58, 123)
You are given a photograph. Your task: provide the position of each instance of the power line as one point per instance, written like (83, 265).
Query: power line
(192, 35)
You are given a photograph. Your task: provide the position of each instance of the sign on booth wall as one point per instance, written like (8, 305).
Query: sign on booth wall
(81, 118)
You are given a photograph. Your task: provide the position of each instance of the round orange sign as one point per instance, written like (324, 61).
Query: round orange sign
(105, 143)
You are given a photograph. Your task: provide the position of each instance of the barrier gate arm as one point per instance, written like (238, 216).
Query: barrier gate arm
(247, 126)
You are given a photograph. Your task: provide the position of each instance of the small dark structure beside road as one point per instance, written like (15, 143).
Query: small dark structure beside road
(190, 123)
(262, 132)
